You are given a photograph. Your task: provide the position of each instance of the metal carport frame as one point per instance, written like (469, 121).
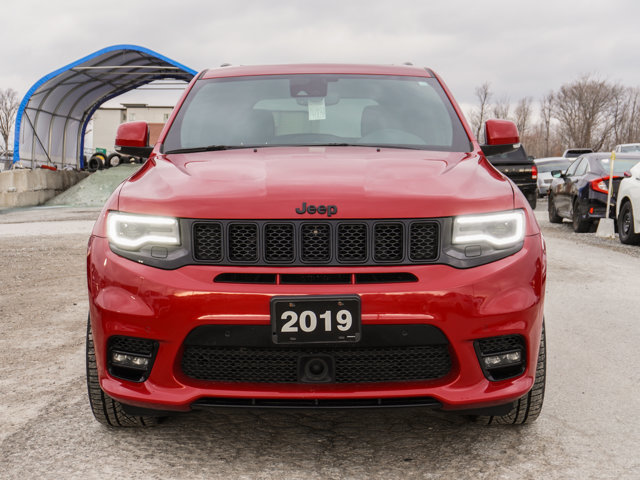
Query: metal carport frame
(53, 115)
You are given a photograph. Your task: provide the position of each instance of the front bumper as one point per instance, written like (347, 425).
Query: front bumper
(501, 298)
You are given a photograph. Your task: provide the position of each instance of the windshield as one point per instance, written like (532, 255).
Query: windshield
(633, 147)
(367, 110)
(555, 165)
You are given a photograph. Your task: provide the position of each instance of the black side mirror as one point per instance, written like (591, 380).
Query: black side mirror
(557, 174)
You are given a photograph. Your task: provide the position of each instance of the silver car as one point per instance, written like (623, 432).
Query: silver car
(545, 166)
(628, 148)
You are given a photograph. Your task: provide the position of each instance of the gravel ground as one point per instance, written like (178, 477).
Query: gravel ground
(589, 426)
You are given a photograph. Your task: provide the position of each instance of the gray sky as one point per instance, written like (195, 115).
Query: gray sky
(523, 48)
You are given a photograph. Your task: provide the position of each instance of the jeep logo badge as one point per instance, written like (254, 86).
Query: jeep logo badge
(327, 210)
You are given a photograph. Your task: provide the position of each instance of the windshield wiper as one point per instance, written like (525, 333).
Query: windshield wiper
(210, 148)
(370, 145)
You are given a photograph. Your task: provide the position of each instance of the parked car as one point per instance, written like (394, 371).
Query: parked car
(628, 203)
(580, 193)
(521, 169)
(576, 152)
(316, 236)
(628, 148)
(545, 167)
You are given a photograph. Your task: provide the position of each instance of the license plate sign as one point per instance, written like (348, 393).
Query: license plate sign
(317, 319)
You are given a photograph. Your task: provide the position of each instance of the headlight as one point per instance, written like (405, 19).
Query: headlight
(473, 240)
(130, 232)
(500, 230)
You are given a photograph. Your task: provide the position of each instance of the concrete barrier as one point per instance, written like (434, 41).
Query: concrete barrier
(25, 188)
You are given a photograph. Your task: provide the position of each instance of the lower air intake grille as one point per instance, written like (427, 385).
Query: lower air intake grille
(134, 345)
(504, 343)
(352, 365)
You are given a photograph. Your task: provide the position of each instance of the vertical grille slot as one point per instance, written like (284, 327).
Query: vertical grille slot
(243, 242)
(208, 241)
(352, 242)
(423, 241)
(279, 242)
(316, 242)
(388, 242)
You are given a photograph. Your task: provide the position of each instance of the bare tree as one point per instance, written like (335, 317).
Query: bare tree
(522, 116)
(501, 108)
(478, 116)
(8, 109)
(583, 111)
(546, 114)
(625, 113)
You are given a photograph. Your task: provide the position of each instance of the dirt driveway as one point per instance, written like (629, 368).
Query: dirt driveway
(589, 427)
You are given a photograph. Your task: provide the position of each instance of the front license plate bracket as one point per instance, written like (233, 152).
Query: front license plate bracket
(316, 319)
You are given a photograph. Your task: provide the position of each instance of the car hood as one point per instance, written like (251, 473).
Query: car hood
(360, 182)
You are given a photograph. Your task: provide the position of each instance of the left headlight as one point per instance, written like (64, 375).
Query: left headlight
(500, 230)
(473, 240)
(131, 232)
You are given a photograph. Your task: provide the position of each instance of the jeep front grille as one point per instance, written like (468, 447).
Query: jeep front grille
(323, 242)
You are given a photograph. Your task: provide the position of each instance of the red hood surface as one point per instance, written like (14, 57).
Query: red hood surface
(271, 183)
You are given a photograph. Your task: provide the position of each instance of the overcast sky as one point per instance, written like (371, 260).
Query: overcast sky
(523, 48)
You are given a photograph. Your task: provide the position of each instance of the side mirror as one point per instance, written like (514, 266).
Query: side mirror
(132, 138)
(556, 173)
(501, 137)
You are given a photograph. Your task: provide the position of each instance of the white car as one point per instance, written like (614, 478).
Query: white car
(629, 202)
(545, 166)
(628, 148)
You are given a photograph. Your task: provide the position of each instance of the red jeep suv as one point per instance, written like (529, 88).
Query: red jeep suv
(316, 236)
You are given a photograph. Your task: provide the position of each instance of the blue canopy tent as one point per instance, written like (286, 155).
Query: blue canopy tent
(53, 115)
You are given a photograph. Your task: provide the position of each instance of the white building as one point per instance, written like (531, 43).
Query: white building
(105, 122)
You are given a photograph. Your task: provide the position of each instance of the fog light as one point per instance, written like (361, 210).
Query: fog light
(131, 361)
(503, 360)
(119, 358)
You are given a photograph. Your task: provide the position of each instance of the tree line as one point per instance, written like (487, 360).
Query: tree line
(586, 113)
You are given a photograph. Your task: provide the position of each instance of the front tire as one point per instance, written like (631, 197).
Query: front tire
(527, 409)
(105, 409)
(553, 213)
(626, 225)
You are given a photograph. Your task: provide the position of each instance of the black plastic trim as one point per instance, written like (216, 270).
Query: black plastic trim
(497, 411)
(125, 373)
(315, 278)
(260, 336)
(295, 403)
(502, 373)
